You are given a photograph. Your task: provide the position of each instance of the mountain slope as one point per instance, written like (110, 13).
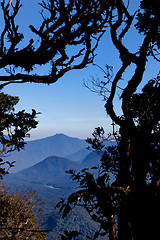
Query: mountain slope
(50, 171)
(78, 156)
(35, 151)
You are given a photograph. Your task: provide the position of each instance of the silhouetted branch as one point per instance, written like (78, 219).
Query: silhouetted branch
(65, 25)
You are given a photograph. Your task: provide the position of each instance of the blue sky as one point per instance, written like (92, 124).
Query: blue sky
(67, 106)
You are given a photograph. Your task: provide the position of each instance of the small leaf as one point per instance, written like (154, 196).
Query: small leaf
(94, 167)
(84, 170)
(67, 210)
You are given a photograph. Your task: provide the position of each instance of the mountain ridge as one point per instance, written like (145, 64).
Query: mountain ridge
(50, 171)
(36, 151)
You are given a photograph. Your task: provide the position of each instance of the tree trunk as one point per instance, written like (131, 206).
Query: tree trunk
(144, 206)
(124, 181)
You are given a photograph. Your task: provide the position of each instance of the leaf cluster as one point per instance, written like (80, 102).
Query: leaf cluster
(97, 141)
(144, 110)
(16, 218)
(14, 127)
(144, 106)
(149, 18)
(70, 235)
(76, 25)
(100, 196)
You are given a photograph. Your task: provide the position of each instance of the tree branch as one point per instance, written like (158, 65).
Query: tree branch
(140, 68)
(125, 55)
(109, 104)
(73, 24)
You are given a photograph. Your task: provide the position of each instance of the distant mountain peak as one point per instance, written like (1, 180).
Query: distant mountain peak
(66, 136)
(35, 151)
(60, 135)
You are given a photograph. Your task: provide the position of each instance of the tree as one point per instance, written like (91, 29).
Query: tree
(105, 199)
(75, 24)
(133, 193)
(16, 218)
(14, 127)
(128, 207)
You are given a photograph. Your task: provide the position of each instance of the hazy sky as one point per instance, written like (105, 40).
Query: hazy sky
(67, 106)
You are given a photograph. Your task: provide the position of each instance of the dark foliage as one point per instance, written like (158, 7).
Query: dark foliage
(70, 235)
(127, 206)
(76, 24)
(14, 127)
(16, 216)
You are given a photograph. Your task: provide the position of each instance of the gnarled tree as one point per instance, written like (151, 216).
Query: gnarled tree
(133, 197)
(76, 24)
(128, 207)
